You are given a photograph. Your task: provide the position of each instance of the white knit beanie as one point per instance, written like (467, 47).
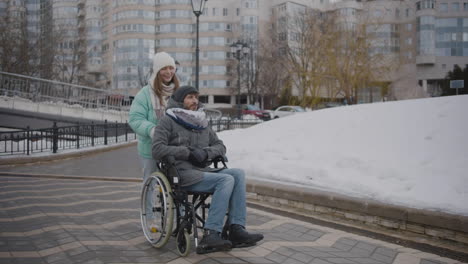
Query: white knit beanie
(160, 60)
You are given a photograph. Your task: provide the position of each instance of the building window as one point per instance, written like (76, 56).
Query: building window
(225, 11)
(203, 99)
(444, 66)
(222, 99)
(282, 36)
(443, 7)
(465, 6)
(455, 6)
(237, 11)
(425, 4)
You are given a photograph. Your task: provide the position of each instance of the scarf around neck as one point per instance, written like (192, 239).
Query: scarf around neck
(166, 93)
(189, 119)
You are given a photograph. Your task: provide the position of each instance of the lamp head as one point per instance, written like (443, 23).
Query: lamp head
(198, 6)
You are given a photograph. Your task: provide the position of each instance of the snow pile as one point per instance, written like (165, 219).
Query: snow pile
(412, 153)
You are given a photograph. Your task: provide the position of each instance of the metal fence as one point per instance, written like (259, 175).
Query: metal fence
(26, 142)
(55, 139)
(41, 90)
(219, 125)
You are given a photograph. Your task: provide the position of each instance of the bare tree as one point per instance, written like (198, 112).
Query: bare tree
(269, 70)
(17, 47)
(69, 59)
(361, 59)
(306, 41)
(328, 56)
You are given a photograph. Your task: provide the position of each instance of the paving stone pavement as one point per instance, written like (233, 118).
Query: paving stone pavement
(46, 220)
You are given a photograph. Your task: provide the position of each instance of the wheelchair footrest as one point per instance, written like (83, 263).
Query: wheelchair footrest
(203, 249)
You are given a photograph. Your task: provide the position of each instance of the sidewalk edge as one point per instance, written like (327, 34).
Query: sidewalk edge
(11, 161)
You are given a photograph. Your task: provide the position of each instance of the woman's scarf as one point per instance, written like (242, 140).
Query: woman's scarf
(166, 93)
(189, 119)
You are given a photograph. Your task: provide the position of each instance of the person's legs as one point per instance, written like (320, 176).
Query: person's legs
(149, 166)
(237, 234)
(237, 205)
(221, 185)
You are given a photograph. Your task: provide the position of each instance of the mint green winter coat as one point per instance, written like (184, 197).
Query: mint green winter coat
(143, 120)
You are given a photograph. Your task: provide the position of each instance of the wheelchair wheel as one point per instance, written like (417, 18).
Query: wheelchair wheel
(183, 243)
(157, 210)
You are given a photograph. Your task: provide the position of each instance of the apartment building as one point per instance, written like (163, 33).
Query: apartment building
(117, 39)
(134, 30)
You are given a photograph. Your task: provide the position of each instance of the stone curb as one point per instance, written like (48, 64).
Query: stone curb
(59, 156)
(432, 224)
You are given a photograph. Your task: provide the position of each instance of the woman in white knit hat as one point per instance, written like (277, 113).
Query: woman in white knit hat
(149, 106)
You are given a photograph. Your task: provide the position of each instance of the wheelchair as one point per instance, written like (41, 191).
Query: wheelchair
(162, 199)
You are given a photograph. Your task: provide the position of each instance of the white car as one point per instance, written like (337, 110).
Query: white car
(286, 110)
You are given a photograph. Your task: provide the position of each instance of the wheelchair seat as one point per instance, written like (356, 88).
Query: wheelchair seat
(164, 202)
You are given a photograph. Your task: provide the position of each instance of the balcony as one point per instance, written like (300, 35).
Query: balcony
(425, 59)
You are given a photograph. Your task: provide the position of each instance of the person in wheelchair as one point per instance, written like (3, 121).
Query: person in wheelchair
(184, 134)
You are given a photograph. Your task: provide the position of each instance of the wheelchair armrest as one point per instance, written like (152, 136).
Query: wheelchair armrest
(165, 162)
(221, 158)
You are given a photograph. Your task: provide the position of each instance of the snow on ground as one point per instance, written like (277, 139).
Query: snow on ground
(412, 153)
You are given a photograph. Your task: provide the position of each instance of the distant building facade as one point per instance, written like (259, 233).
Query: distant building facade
(111, 42)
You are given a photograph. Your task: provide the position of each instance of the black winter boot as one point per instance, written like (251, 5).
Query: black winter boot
(212, 242)
(239, 237)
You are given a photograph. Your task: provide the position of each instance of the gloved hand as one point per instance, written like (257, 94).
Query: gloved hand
(198, 157)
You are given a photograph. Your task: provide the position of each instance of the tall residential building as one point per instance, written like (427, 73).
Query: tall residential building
(114, 40)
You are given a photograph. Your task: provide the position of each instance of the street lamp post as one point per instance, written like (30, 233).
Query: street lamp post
(239, 50)
(197, 8)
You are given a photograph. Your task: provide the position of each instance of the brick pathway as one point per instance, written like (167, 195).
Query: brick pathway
(86, 221)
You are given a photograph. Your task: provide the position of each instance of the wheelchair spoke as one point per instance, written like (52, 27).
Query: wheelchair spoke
(157, 210)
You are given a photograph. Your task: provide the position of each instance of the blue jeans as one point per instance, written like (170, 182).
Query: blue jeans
(228, 187)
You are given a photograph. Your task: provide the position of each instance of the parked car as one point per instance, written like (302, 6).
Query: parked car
(286, 110)
(248, 109)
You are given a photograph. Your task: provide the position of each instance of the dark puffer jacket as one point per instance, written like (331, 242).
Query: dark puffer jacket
(173, 139)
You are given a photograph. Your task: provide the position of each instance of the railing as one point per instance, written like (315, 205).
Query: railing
(54, 139)
(41, 90)
(26, 142)
(228, 123)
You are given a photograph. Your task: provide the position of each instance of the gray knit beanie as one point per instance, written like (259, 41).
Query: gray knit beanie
(179, 94)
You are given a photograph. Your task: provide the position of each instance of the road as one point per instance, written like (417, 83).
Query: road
(18, 119)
